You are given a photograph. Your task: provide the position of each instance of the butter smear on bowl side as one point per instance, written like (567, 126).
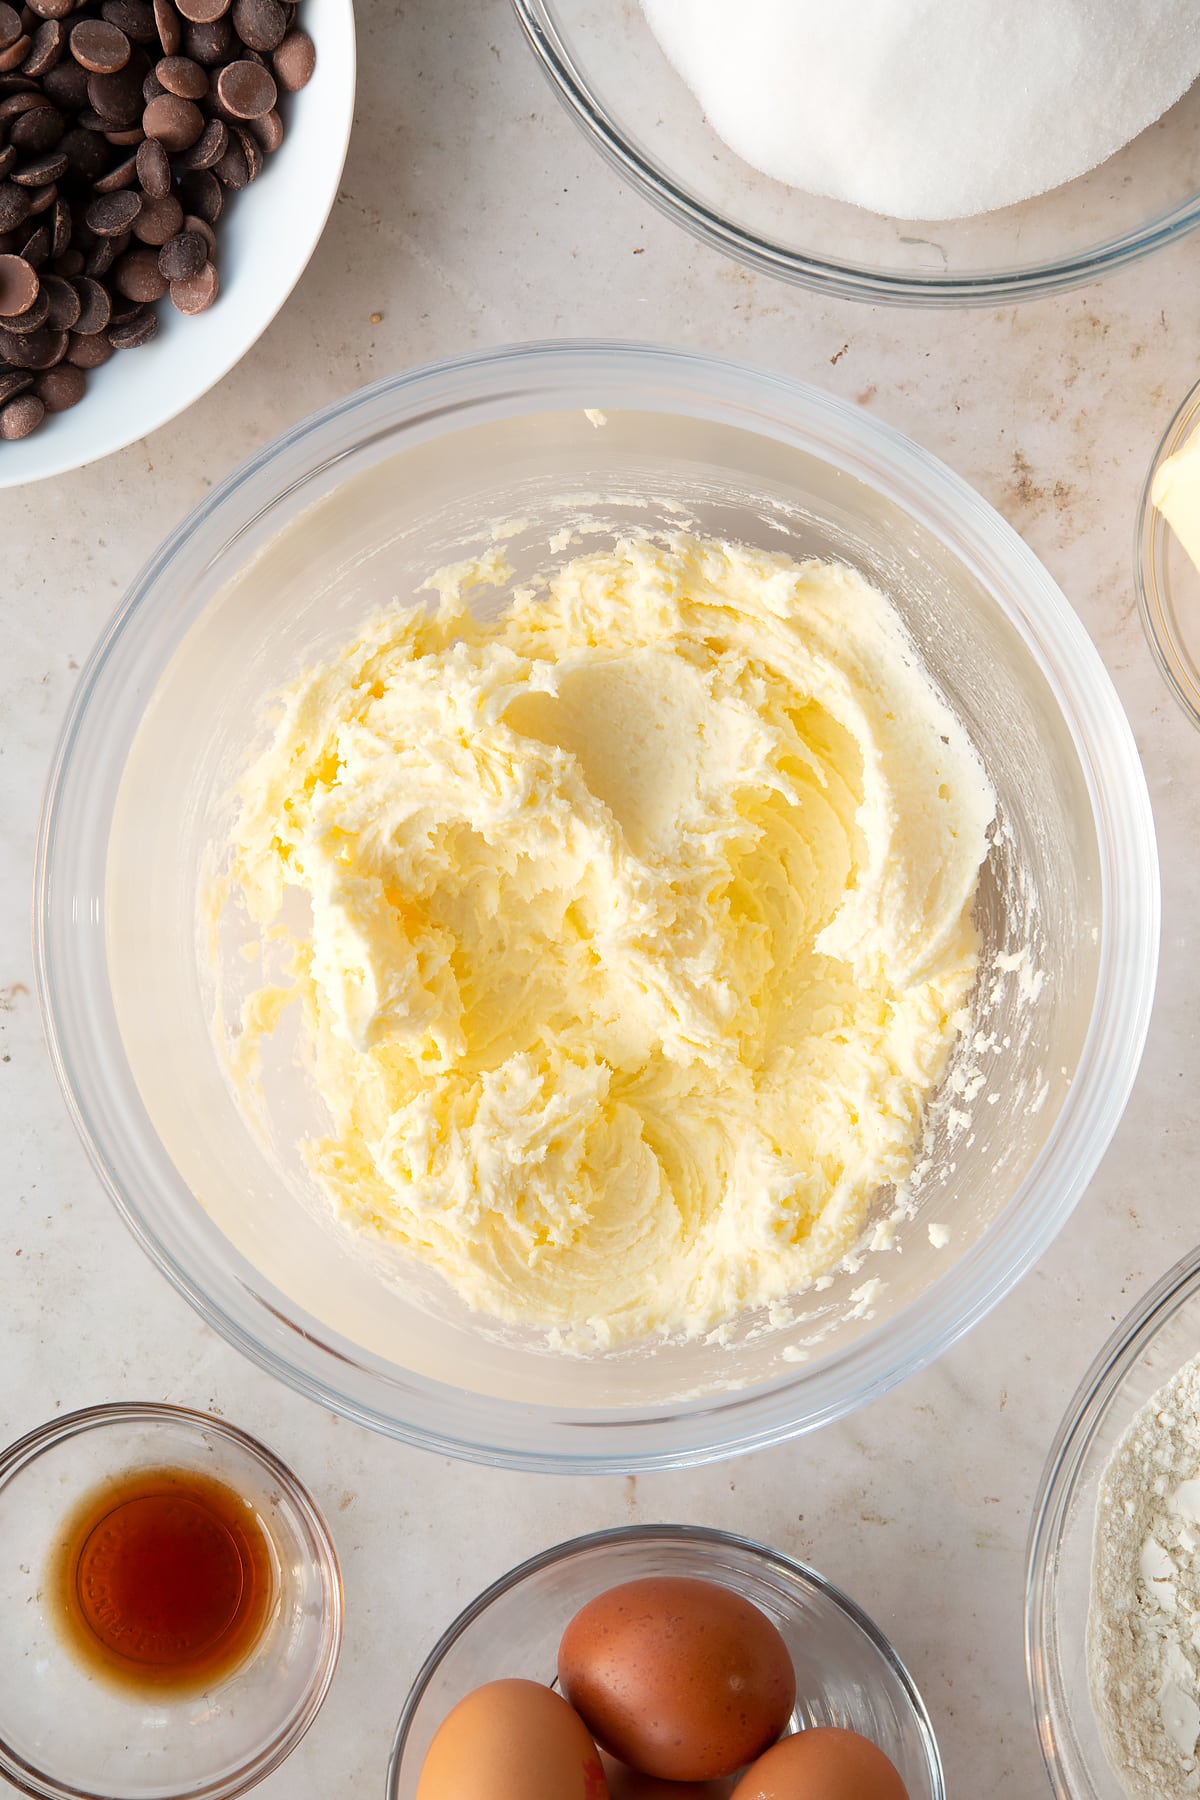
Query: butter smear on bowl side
(1176, 494)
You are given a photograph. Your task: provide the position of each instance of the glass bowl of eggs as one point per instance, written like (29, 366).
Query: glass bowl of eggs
(621, 1655)
(1168, 555)
(874, 160)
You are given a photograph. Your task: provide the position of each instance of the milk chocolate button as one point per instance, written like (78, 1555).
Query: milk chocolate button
(197, 293)
(294, 61)
(61, 387)
(174, 123)
(19, 286)
(99, 47)
(21, 416)
(10, 25)
(246, 90)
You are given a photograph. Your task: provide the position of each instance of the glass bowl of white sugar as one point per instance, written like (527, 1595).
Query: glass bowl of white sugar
(1113, 1595)
(911, 154)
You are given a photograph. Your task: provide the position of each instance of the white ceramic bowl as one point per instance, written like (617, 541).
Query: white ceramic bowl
(264, 241)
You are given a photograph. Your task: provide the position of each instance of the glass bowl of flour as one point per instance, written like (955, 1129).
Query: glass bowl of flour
(1113, 1596)
(896, 152)
(526, 458)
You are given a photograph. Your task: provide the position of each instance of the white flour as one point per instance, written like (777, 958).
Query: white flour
(930, 109)
(1144, 1621)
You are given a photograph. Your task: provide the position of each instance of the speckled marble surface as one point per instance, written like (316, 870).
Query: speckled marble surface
(472, 213)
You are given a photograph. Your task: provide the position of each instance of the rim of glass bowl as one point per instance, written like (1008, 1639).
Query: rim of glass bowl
(795, 1572)
(850, 281)
(84, 1040)
(1060, 1477)
(17, 1456)
(1151, 542)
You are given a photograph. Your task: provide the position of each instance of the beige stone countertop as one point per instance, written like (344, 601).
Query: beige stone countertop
(472, 212)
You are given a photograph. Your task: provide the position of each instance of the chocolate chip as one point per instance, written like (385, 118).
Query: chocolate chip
(201, 194)
(169, 26)
(15, 381)
(15, 55)
(210, 44)
(232, 169)
(117, 98)
(99, 47)
(111, 214)
(60, 227)
(203, 229)
(42, 170)
(66, 85)
(95, 306)
(35, 315)
(63, 301)
(36, 248)
(19, 286)
(36, 350)
(134, 17)
(203, 12)
(294, 61)
(38, 130)
(13, 105)
(260, 24)
(121, 175)
(180, 75)
(14, 206)
(253, 152)
(174, 123)
(158, 220)
(45, 47)
(60, 387)
(208, 149)
(137, 276)
(10, 25)
(69, 264)
(135, 331)
(21, 416)
(52, 9)
(246, 91)
(153, 169)
(184, 256)
(8, 157)
(88, 352)
(197, 293)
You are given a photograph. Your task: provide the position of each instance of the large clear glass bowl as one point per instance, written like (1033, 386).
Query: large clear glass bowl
(1168, 582)
(847, 1674)
(610, 73)
(1150, 1344)
(353, 509)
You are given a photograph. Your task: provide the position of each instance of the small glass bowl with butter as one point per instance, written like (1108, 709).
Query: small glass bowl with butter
(847, 1673)
(1168, 580)
(170, 1608)
(1148, 1348)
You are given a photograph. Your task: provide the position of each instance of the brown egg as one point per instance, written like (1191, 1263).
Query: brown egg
(625, 1783)
(823, 1763)
(680, 1678)
(512, 1740)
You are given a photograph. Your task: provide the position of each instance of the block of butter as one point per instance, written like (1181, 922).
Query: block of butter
(1176, 494)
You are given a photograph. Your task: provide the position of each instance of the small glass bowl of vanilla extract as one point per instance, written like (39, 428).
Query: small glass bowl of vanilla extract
(170, 1607)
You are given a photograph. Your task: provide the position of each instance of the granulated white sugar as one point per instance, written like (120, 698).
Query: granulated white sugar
(930, 109)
